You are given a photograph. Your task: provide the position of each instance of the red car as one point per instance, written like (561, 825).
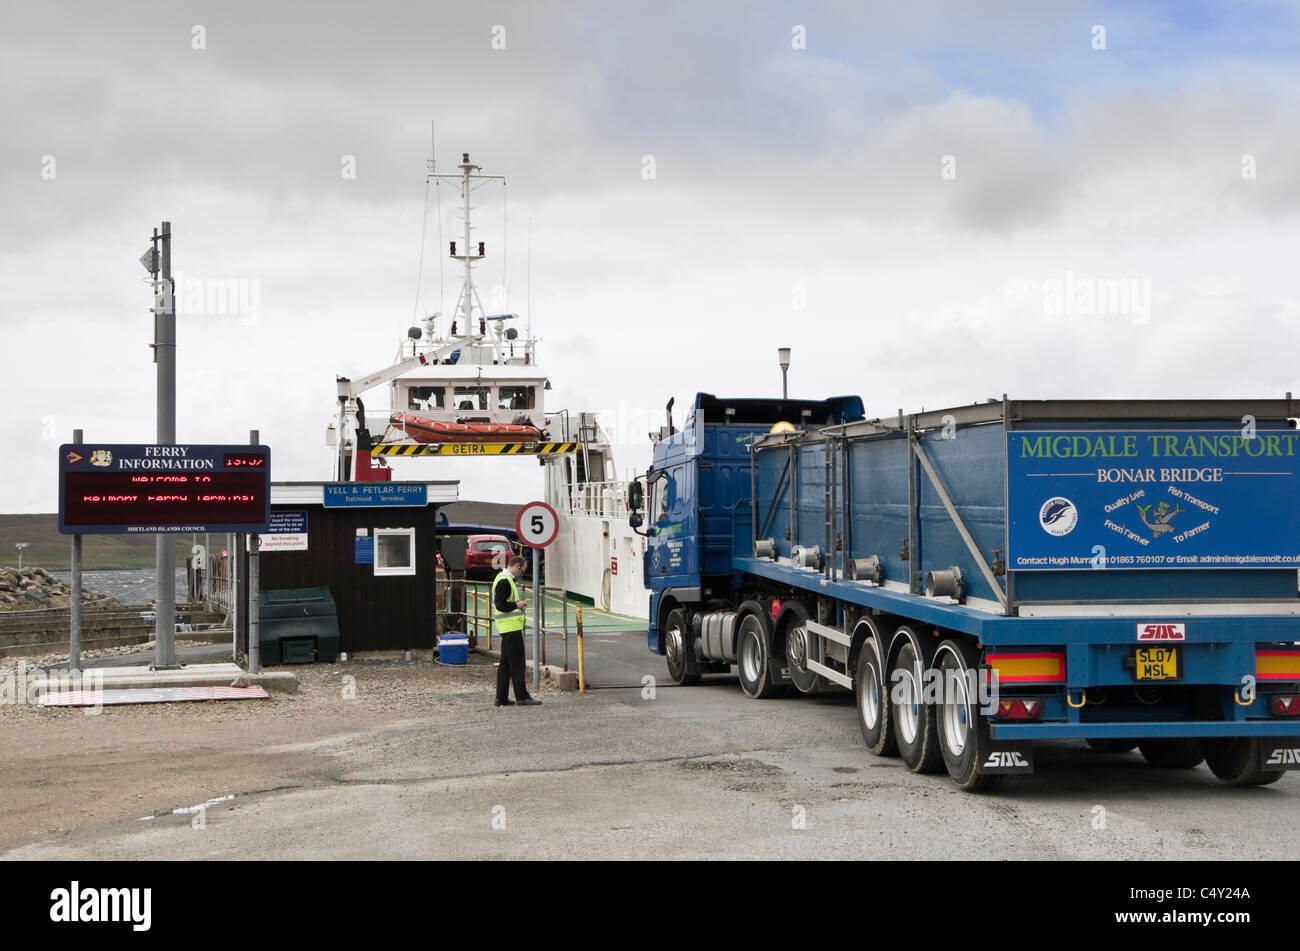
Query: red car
(485, 555)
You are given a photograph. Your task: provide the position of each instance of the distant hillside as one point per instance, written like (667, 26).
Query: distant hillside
(49, 549)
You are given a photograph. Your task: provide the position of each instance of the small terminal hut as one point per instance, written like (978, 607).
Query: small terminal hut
(371, 544)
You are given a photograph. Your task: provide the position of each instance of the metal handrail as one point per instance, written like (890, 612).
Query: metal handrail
(482, 591)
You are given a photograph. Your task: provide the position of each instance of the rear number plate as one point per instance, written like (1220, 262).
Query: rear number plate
(1158, 663)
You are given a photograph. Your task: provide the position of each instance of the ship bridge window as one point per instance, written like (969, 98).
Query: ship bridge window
(471, 397)
(426, 397)
(515, 397)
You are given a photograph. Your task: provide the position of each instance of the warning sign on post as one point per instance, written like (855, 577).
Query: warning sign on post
(287, 531)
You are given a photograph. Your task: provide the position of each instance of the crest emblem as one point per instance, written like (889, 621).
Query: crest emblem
(101, 457)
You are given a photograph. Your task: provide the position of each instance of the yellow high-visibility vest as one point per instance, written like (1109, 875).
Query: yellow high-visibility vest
(509, 621)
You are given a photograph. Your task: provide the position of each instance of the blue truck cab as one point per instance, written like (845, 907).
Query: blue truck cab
(698, 477)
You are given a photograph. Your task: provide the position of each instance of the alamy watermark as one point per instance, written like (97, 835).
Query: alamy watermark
(217, 297)
(1076, 296)
(938, 685)
(24, 686)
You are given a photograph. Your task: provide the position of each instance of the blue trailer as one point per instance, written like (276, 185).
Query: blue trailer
(1120, 572)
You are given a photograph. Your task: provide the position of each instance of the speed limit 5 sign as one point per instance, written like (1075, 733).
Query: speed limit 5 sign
(537, 524)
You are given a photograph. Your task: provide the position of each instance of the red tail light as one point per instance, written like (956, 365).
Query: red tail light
(776, 609)
(1284, 706)
(1019, 708)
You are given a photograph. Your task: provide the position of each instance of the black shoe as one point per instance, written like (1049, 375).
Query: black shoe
(503, 703)
(529, 702)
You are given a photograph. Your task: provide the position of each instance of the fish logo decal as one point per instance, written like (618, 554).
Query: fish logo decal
(1159, 522)
(101, 457)
(1058, 516)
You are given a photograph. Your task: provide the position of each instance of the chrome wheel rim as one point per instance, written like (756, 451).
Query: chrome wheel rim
(909, 712)
(956, 710)
(796, 644)
(749, 655)
(676, 649)
(869, 689)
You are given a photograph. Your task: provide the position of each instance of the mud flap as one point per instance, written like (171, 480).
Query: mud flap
(1279, 753)
(1004, 756)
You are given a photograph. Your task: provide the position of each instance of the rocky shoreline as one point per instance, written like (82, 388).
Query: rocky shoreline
(33, 588)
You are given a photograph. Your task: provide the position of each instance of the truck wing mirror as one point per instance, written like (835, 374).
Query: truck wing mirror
(635, 495)
(635, 520)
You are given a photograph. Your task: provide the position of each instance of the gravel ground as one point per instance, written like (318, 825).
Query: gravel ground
(65, 769)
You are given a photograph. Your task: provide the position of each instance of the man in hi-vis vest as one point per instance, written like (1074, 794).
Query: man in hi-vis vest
(509, 606)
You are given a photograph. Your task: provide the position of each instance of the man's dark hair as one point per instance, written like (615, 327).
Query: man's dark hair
(516, 560)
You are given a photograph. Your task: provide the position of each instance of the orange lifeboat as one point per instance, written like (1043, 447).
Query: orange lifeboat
(425, 430)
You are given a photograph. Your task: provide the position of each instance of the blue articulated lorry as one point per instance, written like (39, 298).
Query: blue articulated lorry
(981, 577)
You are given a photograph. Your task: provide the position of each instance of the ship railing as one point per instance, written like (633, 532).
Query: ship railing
(597, 500)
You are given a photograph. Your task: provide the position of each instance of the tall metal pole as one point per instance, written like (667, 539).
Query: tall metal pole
(74, 628)
(165, 356)
(537, 635)
(254, 581)
(232, 591)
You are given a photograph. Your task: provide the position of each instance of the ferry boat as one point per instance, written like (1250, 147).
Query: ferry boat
(471, 386)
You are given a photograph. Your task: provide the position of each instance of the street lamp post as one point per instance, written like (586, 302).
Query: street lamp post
(783, 355)
(20, 546)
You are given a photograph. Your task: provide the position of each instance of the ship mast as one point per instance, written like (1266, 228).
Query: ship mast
(467, 181)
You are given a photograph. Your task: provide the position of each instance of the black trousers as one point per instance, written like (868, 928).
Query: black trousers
(511, 667)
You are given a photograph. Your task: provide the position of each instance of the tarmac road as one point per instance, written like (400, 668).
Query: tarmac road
(701, 772)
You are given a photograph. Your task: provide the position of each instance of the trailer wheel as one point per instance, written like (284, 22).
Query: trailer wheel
(754, 660)
(678, 650)
(1172, 754)
(798, 648)
(960, 739)
(1111, 746)
(1236, 761)
(869, 686)
(918, 742)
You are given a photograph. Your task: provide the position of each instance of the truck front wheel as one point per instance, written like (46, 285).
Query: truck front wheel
(678, 650)
(1236, 761)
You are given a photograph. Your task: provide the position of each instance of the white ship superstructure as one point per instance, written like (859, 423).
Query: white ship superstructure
(470, 386)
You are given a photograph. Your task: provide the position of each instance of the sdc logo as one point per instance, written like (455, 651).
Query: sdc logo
(1162, 632)
(1058, 516)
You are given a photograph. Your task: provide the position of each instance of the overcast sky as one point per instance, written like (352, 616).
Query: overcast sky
(922, 200)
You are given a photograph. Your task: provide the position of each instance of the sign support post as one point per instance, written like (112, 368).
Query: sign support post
(537, 631)
(74, 623)
(537, 525)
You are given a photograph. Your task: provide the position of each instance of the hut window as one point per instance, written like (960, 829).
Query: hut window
(394, 551)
